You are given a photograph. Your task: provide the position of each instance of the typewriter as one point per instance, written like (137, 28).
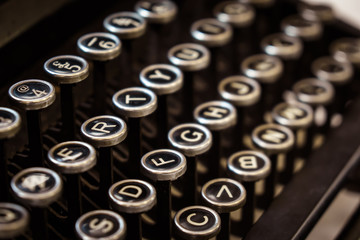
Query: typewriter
(157, 119)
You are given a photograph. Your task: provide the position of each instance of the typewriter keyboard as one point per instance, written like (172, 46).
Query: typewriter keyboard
(159, 119)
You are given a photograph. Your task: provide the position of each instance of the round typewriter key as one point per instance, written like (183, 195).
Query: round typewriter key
(163, 166)
(100, 47)
(297, 26)
(162, 79)
(101, 224)
(104, 132)
(248, 167)
(235, 13)
(282, 46)
(10, 124)
(197, 222)
(156, 11)
(313, 91)
(190, 58)
(126, 25)
(331, 70)
(298, 117)
(242, 92)
(273, 139)
(317, 12)
(38, 188)
(14, 220)
(71, 159)
(339, 74)
(135, 103)
(318, 94)
(132, 197)
(211, 32)
(224, 195)
(33, 95)
(346, 49)
(67, 70)
(192, 140)
(267, 70)
(289, 49)
(240, 16)
(217, 116)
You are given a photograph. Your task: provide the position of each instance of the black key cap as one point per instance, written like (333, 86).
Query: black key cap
(71, 159)
(135, 103)
(248, 167)
(104, 132)
(224, 195)
(197, 222)
(163, 166)
(37, 188)
(132, 197)
(67, 70)
(10, 124)
(192, 140)
(101, 224)
(14, 220)
(33, 95)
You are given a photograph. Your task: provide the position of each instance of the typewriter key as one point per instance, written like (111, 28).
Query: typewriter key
(104, 132)
(37, 188)
(331, 70)
(156, 11)
(289, 49)
(235, 13)
(318, 94)
(296, 26)
(67, 70)
(190, 58)
(99, 47)
(267, 70)
(135, 103)
(224, 195)
(197, 222)
(162, 79)
(298, 117)
(101, 224)
(192, 140)
(282, 46)
(248, 167)
(242, 92)
(163, 166)
(316, 12)
(346, 49)
(14, 219)
(337, 73)
(240, 16)
(10, 124)
(213, 34)
(126, 25)
(33, 95)
(272, 139)
(217, 116)
(71, 159)
(132, 197)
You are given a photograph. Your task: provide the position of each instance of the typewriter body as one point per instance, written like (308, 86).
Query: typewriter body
(86, 92)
